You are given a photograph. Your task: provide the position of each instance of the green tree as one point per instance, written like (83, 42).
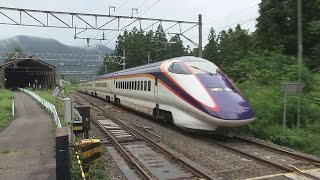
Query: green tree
(277, 26)
(175, 47)
(211, 50)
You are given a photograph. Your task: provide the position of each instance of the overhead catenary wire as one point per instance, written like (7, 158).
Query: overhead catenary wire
(242, 22)
(116, 9)
(225, 17)
(145, 11)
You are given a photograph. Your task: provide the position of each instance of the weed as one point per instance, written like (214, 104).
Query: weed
(4, 151)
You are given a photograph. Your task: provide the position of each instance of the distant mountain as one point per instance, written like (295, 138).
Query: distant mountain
(68, 70)
(47, 45)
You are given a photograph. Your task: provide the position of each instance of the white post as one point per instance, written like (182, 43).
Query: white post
(68, 116)
(13, 108)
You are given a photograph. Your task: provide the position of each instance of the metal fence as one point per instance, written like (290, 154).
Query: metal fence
(46, 104)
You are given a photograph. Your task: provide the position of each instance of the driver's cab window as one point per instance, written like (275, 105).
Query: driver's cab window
(178, 68)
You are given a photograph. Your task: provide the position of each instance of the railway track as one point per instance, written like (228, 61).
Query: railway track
(277, 158)
(149, 159)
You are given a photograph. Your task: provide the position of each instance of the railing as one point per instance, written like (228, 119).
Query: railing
(46, 104)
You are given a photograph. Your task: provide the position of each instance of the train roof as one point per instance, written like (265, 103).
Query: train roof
(138, 69)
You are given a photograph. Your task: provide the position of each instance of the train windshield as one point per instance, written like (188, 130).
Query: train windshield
(203, 68)
(179, 68)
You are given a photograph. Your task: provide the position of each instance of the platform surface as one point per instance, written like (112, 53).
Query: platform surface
(27, 143)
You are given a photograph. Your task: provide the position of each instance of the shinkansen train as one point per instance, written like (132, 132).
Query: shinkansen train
(191, 92)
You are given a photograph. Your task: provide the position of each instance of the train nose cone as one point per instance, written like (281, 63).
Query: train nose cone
(232, 106)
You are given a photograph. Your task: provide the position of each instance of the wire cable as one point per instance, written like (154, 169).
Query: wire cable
(139, 17)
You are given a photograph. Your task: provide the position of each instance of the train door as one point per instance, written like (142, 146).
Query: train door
(156, 98)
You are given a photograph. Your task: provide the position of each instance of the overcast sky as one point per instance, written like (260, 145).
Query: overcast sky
(220, 14)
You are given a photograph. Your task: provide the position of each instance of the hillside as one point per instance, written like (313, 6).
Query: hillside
(46, 45)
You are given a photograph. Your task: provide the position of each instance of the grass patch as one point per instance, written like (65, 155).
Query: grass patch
(48, 96)
(98, 171)
(171, 144)
(267, 102)
(4, 151)
(6, 97)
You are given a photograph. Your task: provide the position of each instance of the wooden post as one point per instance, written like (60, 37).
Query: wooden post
(62, 154)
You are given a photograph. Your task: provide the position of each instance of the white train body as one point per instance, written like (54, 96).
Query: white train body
(189, 91)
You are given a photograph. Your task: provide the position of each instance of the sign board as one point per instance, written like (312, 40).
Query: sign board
(291, 87)
(56, 91)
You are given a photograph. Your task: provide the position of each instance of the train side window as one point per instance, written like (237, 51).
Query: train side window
(131, 85)
(135, 85)
(122, 85)
(138, 85)
(149, 85)
(141, 85)
(127, 85)
(116, 84)
(145, 85)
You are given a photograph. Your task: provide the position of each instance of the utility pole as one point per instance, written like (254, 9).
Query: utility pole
(200, 35)
(124, 58)
(105, 67)
(300, 51)
(149, 57)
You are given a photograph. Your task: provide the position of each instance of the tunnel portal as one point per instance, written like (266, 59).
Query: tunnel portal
(25, 73)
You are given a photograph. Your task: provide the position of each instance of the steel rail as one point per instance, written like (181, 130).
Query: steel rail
(198, 172)
(117, 144)
(255, 158)
(289, 169)
(280, 151)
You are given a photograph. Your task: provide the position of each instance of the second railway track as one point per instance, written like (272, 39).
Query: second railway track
(150, 159)
(277, 158)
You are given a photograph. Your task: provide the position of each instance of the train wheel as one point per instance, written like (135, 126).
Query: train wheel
(108, 99)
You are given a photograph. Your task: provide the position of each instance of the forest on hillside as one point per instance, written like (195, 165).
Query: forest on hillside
(259, 63)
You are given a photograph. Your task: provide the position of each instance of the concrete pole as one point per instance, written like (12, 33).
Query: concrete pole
(124, 58)
(284, 120)
(300, 51)
(200, 35)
